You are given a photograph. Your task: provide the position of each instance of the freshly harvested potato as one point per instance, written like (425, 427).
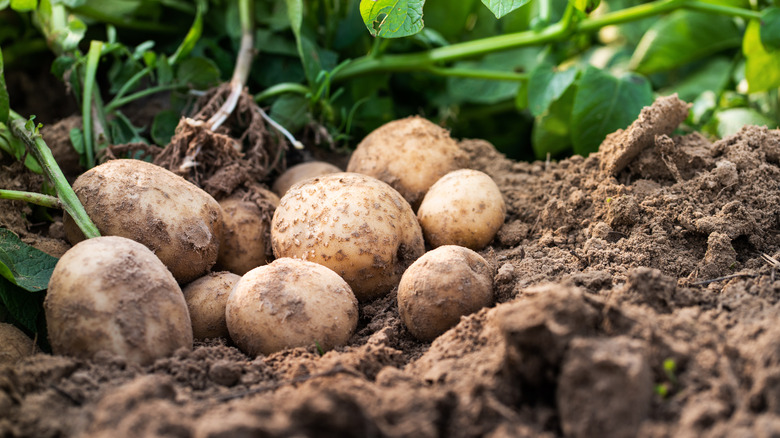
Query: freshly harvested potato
(246, 233)
(409, 154)
(151, 205)
(301, 172)
(206, 300)
(440, 287)
(354, 224)
(290, 303)
(14, 344)
(112, 293)
(465, 208)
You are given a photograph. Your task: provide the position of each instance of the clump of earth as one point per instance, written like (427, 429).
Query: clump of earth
(636, 295)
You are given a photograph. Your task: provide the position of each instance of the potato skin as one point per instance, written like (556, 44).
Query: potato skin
(206, 300)
(290, 303)
(14, 344)
(409, 154)
(354, 224)
(112, 293)
(440, 287)
(465, 208)
(246, 234)
(171, 216)
(301, 172)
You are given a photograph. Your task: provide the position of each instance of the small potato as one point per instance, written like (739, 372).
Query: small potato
(290, 303)
(246, 233)
(301, 172)
(112, 293)
(409, 154)
(355, 225)
(14, 344)
(206, 300)
(151, 205)
(440, 287)
(463, 208)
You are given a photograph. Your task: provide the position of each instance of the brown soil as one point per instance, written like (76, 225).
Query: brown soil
(633, 298)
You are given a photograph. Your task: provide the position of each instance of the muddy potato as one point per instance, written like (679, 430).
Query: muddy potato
(112, 293)
(151, 205)
(354, 224)
(409, 154)
(440, 287)
(14, 344)
(290, 303)
(246, 233)
(465, 208)
(301, 172)
(206, 301)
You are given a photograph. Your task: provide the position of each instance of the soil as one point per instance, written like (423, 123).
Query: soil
(636, 294)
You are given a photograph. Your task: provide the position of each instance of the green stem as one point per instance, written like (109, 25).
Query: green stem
(116, 103)
(38, 148)
(279, 89)
(630, 14)
(86, 103)
(130, 83)
(32, 198)
(479, 74)
(747, 14)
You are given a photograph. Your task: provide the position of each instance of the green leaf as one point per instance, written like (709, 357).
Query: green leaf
(770, 28)
(164, 126)
(198, 72)
(392, 18)
(713, 75)
(70, 39)
(499, 8)
(16, 148)
(586, 6)
(192, 37)
(24, 306)
(552, 129)
(77, 140)
(123, 131)
(5, 105)
(24, 5)
(546, 85)
(487, 91)
(23, 265)
(762, 68)
(603, 104)
(4, 4)
(681, 37)
(290, 111)
(730, 121)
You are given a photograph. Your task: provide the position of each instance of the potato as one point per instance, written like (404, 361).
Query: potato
(440, 287)
(112, 293)
(355, 225)
(465, 208)
(290, 303)
(206, 300)
(409, 154)
(151, 205)
(246, 233)
(301, 172)
(14, 344)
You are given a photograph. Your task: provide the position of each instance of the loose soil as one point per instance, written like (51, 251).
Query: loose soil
(636, 295)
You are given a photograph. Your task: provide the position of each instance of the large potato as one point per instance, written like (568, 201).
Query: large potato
(206, 300)
(151, 205)
(290, 303)
(465, 208)
(440, 287)
(301, 172)
(14, 344)
(112, 293)
(409, 154)
(246, 233)
(355, 225)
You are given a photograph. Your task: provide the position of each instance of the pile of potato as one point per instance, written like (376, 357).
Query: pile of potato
(337, 239)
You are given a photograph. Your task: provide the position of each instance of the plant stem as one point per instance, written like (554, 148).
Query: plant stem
(129, 84)
(86, 103)
(32, 198)
(38, 148)
(479, 74)
(243, 65)
(116, 103)
(278, 89)
(724, 10)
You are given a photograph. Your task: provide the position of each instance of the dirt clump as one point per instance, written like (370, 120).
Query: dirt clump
(635, 296)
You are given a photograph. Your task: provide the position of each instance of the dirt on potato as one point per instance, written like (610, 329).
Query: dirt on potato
(637, 295)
